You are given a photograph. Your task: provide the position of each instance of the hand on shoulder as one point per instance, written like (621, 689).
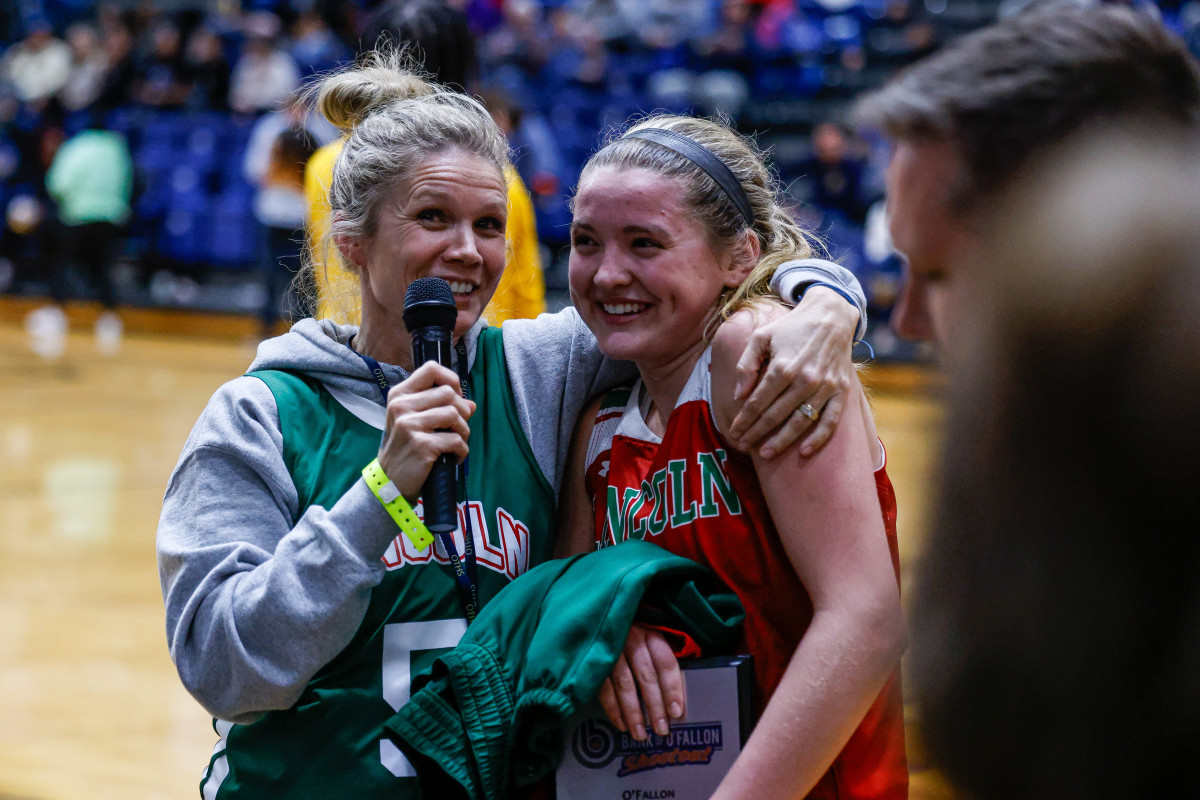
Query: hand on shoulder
(729, 343)
(793, 374)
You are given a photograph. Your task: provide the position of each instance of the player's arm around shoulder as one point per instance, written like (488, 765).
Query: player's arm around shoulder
(728, 344)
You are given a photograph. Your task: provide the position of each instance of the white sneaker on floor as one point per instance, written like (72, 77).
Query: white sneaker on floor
(108, 333)
(47, 330)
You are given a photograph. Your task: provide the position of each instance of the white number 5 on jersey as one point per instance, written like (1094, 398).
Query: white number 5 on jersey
(399, 642)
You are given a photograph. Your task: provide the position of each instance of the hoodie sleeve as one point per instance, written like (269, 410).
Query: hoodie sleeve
(255, 602)
(554, 367)
(793, 276)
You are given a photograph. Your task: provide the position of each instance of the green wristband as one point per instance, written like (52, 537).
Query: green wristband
(396, 506)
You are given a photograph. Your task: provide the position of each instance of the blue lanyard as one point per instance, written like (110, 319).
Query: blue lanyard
(466, 577)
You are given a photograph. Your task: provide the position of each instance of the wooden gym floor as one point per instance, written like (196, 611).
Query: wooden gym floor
(90, 705)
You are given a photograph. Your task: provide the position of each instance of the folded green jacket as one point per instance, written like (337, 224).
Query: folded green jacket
(489, 715)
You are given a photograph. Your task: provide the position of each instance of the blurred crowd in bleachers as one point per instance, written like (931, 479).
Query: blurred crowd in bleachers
(189, 85)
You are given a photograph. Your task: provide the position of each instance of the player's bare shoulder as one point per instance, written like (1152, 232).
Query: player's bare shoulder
(732, 335)
(729, 343)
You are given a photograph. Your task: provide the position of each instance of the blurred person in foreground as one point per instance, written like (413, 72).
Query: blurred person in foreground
(965, 121)
(1056, 630)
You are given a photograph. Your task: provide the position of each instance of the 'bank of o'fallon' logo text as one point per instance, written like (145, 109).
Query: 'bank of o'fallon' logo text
(596, 744)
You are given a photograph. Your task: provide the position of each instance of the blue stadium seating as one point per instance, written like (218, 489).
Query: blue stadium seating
(193, 205)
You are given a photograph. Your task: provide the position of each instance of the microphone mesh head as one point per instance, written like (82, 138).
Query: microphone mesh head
(424, 290)
(427, 302)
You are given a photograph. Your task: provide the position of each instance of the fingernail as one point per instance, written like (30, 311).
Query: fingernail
(639, 733)
(806, 451)
(676, 711)
(767, 452)
(661, 727)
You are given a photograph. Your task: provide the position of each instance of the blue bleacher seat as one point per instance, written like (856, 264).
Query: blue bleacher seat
(842, 30)
(182, 236)
(844, 241)
(234, 238)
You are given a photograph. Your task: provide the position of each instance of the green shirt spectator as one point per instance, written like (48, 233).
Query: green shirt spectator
(91, 178)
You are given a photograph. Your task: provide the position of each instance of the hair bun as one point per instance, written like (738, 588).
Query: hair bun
(383, 77)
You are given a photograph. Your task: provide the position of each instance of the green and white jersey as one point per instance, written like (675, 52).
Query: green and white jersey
(330, 742)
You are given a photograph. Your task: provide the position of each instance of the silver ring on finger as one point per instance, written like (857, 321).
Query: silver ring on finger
(810, 412)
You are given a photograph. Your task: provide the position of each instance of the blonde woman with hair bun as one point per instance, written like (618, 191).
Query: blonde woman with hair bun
(297, 610)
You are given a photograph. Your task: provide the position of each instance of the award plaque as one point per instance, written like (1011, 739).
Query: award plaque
(601, 763)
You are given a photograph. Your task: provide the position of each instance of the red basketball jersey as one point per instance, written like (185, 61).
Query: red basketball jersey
(697, 497)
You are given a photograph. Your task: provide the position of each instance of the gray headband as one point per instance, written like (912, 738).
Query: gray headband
(706, 160)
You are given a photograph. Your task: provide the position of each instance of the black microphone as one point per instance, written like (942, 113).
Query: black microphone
(429, 315)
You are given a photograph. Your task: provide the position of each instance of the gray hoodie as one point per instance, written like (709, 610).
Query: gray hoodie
(259, 597)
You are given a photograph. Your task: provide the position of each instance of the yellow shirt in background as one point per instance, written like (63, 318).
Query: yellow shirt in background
(522, 289)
